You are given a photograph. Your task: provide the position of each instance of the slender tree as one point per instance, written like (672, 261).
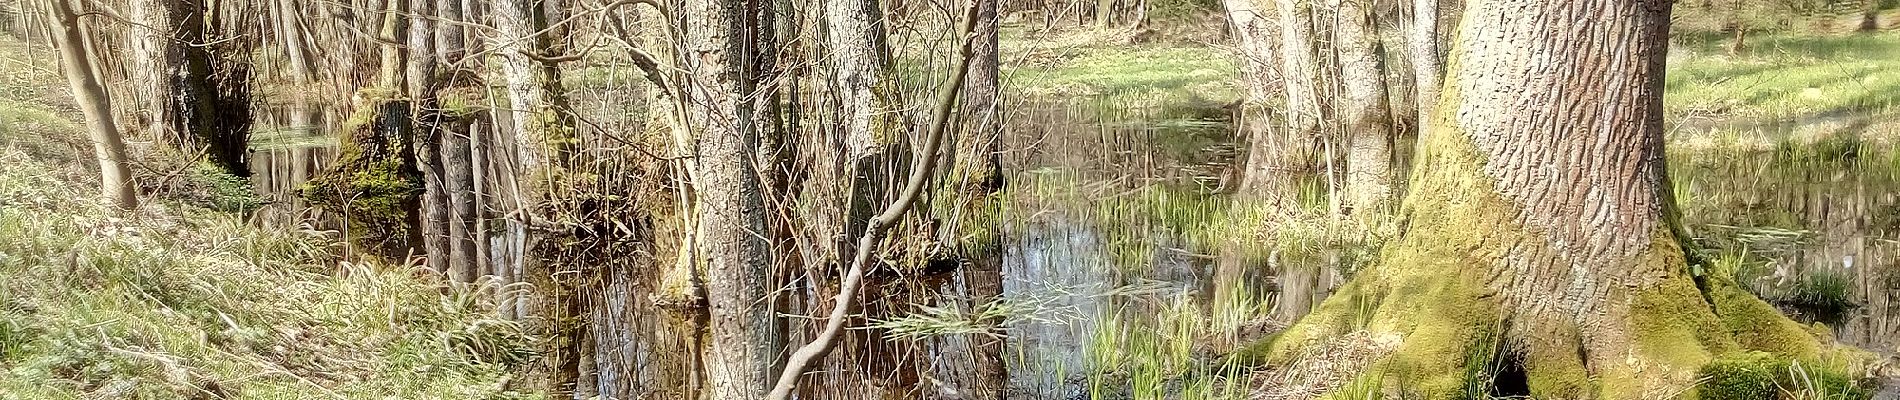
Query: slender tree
(1542, 230)
(1300, 70)
(1427, 62)
(543, 145)
(107, 146)
(1363, 105)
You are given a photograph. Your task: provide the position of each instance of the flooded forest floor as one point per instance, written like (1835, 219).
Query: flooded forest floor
(1120, 149)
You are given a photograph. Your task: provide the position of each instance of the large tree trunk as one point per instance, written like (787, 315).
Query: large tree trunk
(200, 107)
(1363, 104)
(145, 65)
(1541, 222)
(742, 343)
(107, 145)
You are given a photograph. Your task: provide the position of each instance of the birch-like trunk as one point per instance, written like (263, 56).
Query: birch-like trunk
(1427, 64)
(107, 146)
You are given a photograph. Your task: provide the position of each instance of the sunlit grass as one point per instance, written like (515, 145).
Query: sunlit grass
(178, 301)
(1089, 63)
(1784, 76)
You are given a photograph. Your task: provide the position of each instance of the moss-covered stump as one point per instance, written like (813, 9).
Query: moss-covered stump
(374, 183)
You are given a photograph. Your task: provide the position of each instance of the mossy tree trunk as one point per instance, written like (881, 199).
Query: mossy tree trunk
(1541, 218)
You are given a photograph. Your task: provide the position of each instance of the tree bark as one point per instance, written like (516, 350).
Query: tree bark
(875, 157)
(145, 65)
(1300, 64)
(742, 343)
(429, 125)
(978, 175)
(1427, 65)
(199, 106)
(1542, 230)
(107, 146)
(458, 177)
(544, 139)
(288, 20)
(1364, 105)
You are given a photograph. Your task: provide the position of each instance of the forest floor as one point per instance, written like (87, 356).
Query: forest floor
(181, 301)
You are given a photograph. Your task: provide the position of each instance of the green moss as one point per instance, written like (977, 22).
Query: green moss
(374, 181)
(1751, 375)
(1748, 375)
(1756, 325)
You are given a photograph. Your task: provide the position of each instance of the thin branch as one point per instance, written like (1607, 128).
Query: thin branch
(810, 353)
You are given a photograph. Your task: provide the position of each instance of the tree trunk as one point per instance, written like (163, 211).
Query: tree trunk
(458, 176)
(1365, 107)
(429, 125)
(543, 142)
(979, 172)
(145, 65)
(198, 106)
(875, 157)
(1542, 232)
(1427, 65)
(742, 343)
(1299, 58)
(288, 20)
(107, 146)
(390, 74)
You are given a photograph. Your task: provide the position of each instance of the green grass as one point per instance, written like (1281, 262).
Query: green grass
(180, 301)
(1782, 76)
(1089, 63)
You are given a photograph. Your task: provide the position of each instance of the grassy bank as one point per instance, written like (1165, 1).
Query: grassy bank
(182, 300)
(1783, 76)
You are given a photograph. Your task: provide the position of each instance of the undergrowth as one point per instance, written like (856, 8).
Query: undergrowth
(182, 299)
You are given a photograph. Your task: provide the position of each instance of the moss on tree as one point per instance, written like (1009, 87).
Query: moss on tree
(374, 182)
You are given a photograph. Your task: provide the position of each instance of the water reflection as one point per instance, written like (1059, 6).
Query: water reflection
(289, 145)
(1115, 216)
